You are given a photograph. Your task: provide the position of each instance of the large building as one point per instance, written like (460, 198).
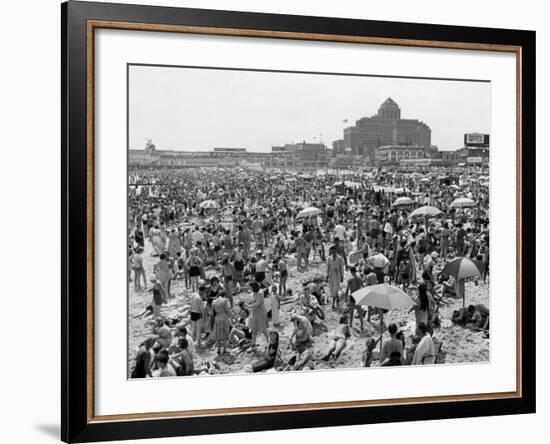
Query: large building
(304, 154)
(218, 157)
(390, 154)
(385, 128)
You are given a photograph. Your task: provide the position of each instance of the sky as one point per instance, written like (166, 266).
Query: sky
(190, 109)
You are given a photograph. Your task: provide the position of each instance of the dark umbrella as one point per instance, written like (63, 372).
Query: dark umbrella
(462, 268)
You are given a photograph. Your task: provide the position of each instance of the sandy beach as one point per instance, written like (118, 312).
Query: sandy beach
(459, 344)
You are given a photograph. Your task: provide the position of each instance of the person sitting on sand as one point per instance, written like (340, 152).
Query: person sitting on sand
(182, 332)
(182, 361)
(391, 345)
(142, 368)
(338, 339)
(395, 359)
(271, 353)
(476, 314)
(164, 335)
(480, 316)
(302, 329)
(310, 305)
(302, 359)
(241, 329)
(165, 369)
(425, 351)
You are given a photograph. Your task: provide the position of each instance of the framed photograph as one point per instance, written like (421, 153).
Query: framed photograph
(275, 221)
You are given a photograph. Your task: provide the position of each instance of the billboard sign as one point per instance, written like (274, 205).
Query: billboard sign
(474, 160)
(477, 140)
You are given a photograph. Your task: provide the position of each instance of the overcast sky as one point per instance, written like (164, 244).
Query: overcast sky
(198, 109)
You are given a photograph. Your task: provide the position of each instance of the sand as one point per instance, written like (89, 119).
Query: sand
(460, 344)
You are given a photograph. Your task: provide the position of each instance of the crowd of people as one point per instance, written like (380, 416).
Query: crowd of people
(231, 239)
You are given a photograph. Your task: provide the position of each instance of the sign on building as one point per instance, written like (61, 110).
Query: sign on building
(476, 140)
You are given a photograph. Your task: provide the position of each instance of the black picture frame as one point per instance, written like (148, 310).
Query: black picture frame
(76, 423)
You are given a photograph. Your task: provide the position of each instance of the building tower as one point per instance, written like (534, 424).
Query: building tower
(389, 110)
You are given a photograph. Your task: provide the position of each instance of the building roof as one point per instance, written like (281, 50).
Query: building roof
(389, 103)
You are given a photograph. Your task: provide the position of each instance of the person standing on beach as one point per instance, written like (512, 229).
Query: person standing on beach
(139, 270)
(354, 284)
(335, 275)
(258, 322)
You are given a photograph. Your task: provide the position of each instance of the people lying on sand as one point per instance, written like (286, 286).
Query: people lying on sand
(302, 329)
(147, 311)
(391, 345)
(271, 353)
(338, 339)
(142, 368)
(425, 351)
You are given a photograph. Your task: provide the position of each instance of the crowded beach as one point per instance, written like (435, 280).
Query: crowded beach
(234, 270)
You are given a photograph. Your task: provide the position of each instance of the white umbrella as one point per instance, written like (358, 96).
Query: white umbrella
(310, 211)
(383, 296)
(209, 204)
(402, 201)
(426, 211)
(348, 184)
(462, 202)
(379, 260)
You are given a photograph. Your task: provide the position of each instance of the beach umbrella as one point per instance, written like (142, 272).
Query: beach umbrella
(462, 202)
(426, 211)
(379, 260)
(462, 268)
(347, 184)
(209, 204)
(402, 201)
(309, 211)
(385, 296)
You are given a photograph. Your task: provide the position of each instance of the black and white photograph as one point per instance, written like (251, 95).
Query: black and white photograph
(299, 221)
